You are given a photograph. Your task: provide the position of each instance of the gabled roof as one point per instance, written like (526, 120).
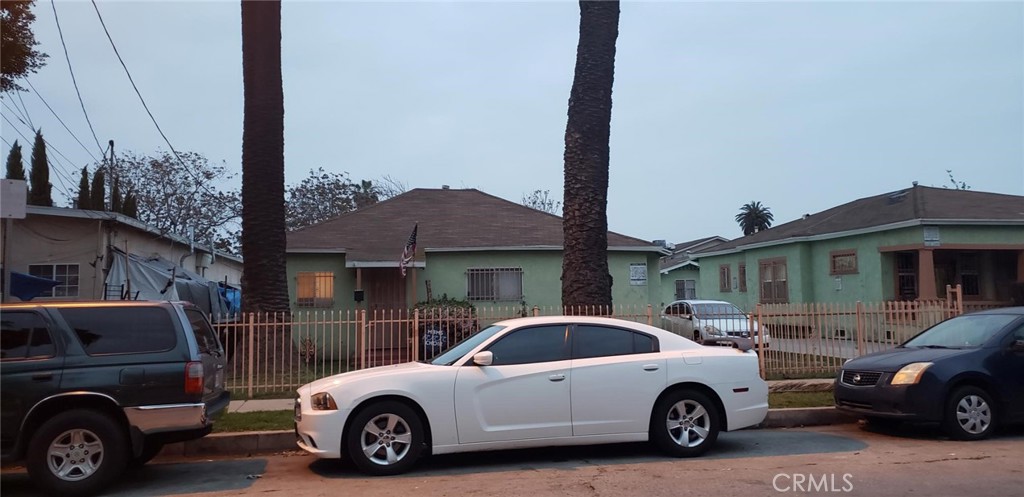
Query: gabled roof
(681, 253)
(919, 205)
(449, 220)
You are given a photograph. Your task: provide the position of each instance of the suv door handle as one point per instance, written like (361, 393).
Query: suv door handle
(42, 377)
(556, 377)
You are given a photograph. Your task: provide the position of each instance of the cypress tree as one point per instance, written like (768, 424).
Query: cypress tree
(39, 191)
(116, 205)
(84, 200)
(15, 166)
(98, 192)
(131, 207)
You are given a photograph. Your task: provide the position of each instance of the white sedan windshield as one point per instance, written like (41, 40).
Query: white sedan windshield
(462, 348)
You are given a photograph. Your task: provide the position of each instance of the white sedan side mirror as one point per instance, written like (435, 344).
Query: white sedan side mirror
(483, 358)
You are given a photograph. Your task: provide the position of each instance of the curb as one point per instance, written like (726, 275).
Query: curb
(248, 443)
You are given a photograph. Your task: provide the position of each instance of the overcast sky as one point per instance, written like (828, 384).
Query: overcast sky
(799, 105)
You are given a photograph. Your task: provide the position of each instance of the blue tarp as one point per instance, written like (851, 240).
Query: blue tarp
(27, 287)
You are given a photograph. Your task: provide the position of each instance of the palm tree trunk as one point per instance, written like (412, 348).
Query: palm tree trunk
(585, 277)
(264, 282)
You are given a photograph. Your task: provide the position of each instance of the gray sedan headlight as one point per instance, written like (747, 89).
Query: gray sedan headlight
(711, 330)
(323, 402)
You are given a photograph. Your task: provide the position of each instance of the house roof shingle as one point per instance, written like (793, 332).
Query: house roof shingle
(919, 203)
(448, 219)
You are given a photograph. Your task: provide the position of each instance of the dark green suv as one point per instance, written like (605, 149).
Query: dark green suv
(88, 389)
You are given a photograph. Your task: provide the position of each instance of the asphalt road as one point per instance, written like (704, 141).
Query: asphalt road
(842, 459)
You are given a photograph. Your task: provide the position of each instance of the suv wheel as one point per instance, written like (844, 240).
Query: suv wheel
(76, 453)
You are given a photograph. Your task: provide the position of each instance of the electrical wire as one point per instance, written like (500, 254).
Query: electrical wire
(73, 81)
(27, 116)
(47, 104)
(199, 180)
(60, 173)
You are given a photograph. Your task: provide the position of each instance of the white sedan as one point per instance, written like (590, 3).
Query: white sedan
(535, 382)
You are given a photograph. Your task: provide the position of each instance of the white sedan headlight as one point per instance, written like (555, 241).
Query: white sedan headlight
(323, 402)
(910, 374)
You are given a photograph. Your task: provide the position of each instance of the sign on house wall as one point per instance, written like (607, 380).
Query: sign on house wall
(637, 274)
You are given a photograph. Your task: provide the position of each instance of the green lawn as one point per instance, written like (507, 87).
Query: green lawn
(282, 420)
(254, 421)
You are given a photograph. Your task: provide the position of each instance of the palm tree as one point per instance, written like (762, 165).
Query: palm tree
(264, 283)
(585, 277)
(754, 217)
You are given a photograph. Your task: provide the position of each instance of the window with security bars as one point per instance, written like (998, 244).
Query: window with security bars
(314, 289)
(494, 284)
(65, 274)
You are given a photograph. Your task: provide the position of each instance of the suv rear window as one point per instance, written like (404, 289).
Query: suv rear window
(122, 330)
(205, 336)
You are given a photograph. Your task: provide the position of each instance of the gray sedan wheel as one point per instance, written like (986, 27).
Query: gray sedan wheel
(385, 438)
(685, 423)
(970, 414)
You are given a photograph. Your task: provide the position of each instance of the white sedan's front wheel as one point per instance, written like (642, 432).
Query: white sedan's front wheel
(685, 423)
(385, 438)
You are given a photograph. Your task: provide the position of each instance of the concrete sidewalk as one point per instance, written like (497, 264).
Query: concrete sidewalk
(246, 443)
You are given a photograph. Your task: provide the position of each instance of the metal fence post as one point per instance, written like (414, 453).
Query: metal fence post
(860, 328)
(536, 311)
(252, 353)
(761, 366)
(650, 315)
(361, 327)
(415, 334)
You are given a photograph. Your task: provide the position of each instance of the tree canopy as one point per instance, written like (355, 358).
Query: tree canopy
(179, 197)
(754, 217)
(15, 164)
(542, 201)
(18, 55)
(324, 195)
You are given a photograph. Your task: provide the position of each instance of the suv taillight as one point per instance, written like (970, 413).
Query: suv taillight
(194, 378)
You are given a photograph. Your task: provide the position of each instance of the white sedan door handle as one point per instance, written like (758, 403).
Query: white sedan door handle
(556, 377)
(650, 367)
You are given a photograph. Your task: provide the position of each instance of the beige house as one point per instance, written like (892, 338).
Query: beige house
(78, 248)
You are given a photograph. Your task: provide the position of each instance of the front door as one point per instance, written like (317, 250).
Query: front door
(30, 368)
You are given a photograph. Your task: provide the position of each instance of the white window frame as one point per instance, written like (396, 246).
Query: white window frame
(65, 288)
(477, 277)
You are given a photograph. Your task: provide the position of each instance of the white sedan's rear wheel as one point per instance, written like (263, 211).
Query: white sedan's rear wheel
(385, 438)
(685, 423)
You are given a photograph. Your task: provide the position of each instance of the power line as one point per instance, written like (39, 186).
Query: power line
(27, 116)
(199, 180)
(47, 104)
(48, 144)
(53, 3)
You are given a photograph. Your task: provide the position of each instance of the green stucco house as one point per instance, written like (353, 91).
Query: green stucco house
(469, 245)
(902, 245)
(680, 272)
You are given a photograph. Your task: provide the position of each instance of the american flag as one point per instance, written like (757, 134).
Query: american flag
(410, 250)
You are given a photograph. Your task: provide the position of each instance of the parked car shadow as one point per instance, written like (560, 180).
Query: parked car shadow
(932, 431)
(158, 480)
(743, 443)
